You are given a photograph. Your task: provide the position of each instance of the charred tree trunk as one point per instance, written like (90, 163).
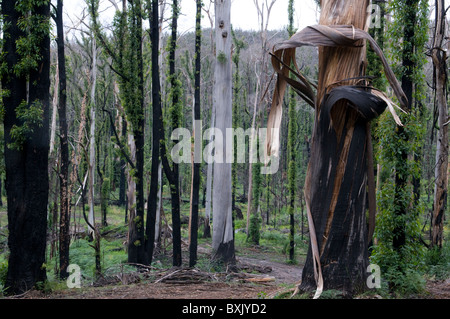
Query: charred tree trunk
(123, 163)
(136, 246)
(173, 174)
(64, 238)
(401, 181)
(157, 134)
(196, 172)
(26, 164)
(336, 178)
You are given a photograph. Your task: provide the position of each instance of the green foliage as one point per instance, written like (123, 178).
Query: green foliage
(255, 218)
(127, 58)
(291, 30)
(254, 229)
(393, 199)
(415, 51)
(374, 65)
(399, 150)
(34, 27)
(221, 57)
(175, 92)
(405, 282)
(31, 117)
(437, 262)
(112, 254)
(3, 272)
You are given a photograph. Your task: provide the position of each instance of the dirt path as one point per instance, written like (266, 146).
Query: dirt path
(283, 273)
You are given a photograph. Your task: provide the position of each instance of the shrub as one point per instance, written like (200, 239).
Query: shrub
(437, 262)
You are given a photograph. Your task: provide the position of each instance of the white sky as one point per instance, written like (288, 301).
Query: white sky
(243, 14)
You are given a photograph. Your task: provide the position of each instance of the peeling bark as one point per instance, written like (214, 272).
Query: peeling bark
(439, 57)
(336, 184)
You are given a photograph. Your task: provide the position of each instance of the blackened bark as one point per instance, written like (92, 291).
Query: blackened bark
(136, 246)
(196, 173)
(226, 253)
(341, 232)
(26, 168)
(122, 181)
(64, 221)
(401, 180)
(173, 175)
(157, 132)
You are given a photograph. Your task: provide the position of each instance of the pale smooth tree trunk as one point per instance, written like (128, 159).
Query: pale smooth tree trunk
(223, 237)
(54, 110)
(441, 175)
(92, 138)
(209, 176)
(131, 190)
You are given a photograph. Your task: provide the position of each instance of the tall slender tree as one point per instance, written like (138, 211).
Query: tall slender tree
(223, 234)
(127, 62)
(26, 80)
(400, 146)
(196, 167)
(439, 56)
(292, 135)
(64, 236)
(92, 131)
(157, 130)
(173, 174)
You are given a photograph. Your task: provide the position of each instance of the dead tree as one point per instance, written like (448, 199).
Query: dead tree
(337, 179)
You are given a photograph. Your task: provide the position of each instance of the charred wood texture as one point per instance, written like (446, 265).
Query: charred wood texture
(26, 166)
(338, 190)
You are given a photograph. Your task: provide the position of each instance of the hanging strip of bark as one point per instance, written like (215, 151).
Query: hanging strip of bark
(283, 56)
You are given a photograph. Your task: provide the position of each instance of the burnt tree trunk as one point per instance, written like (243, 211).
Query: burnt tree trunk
(196, 171)
(337, 180)
(157, 130)
(27, 165)
(401, 181)
(64, 238)
(136, 245)
(173, 175)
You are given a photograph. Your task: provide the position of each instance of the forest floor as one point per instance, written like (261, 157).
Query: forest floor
(262, 272)
(259, 277)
